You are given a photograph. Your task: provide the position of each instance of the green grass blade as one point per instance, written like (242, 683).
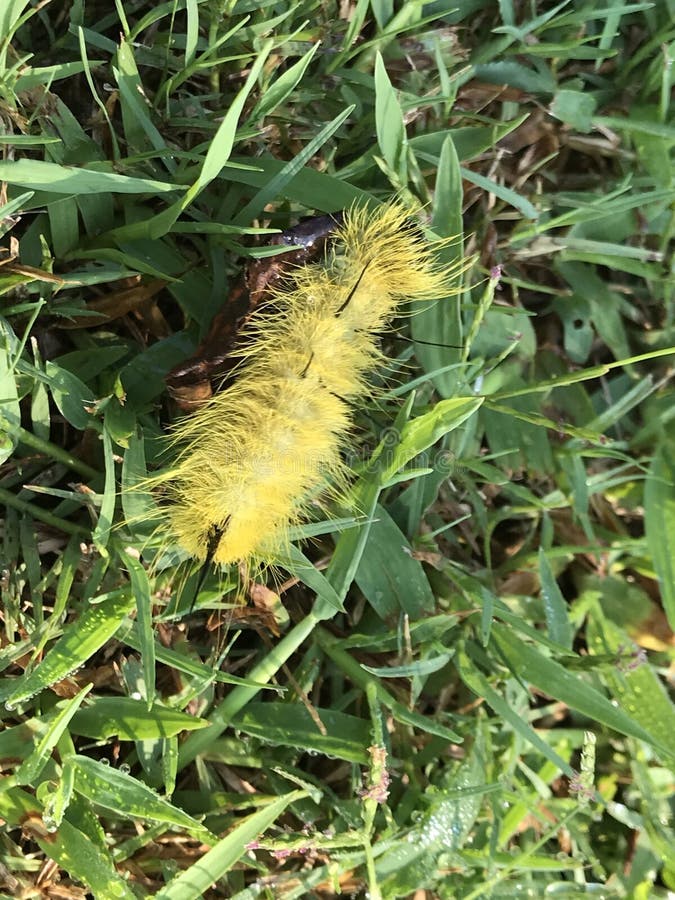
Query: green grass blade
(85, 861)
(480, 686)
(438, 326)
(291, 725)
(636, 686)
(282, 87)
(556, 681)
(106, 513)
(30, 769)
(140, 586)
(559, 627)
(193, 883)
(391, 133)
(47, 176)
(116, 790)
(292, 170)
(131, 720)
(660, 522)
(77, 643)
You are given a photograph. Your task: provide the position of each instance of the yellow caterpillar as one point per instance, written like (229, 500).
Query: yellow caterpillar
(254, 456)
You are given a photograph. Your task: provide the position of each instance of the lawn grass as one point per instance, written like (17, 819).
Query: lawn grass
(463, 690)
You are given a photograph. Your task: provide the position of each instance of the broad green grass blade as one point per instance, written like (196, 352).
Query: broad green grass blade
(85, 861)
(221, 146)
(36, 76)
(314, 190)
(283, 86)
(192, 31)
(549, 676)
(295, 562)
(412, 670)
(391, 134)
(194, 882)
(79, 641)
(469, 141)
(528, 210)
(47, 176)
(351, 544)
(116, 790)
(131, 720)
(138, 125)
(389, 577)
(64, 225)
(291, 725)
(9, 16)
(71, 395)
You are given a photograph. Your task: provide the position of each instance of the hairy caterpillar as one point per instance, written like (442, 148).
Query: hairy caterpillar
(252, 457)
